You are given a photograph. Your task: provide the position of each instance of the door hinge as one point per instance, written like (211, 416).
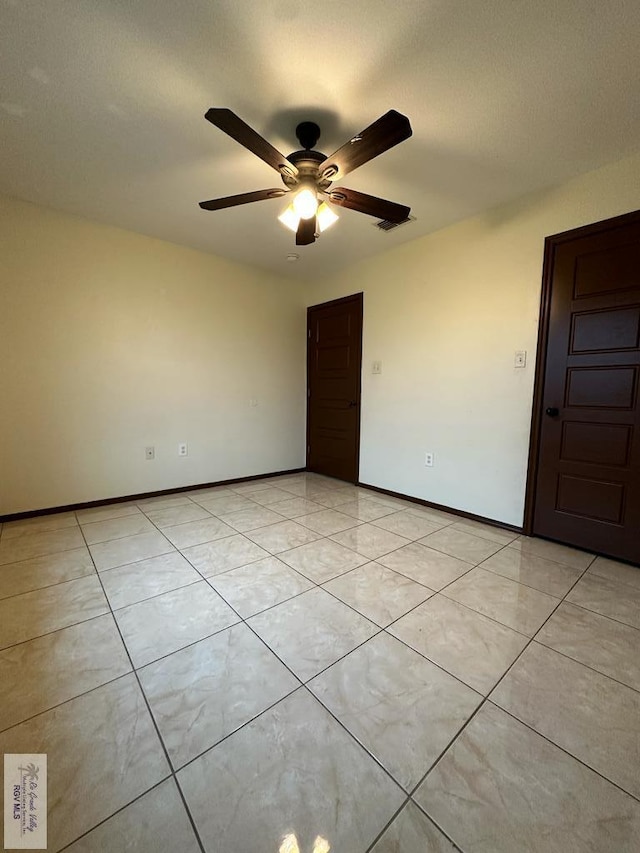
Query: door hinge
(308, 333)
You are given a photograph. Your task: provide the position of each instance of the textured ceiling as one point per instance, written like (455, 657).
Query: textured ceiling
(102, 103)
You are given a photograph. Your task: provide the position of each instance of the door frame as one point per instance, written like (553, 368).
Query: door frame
(551, 245)
(358, 298)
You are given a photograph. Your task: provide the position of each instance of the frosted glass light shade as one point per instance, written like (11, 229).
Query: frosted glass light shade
(290, 218)
(325, 217)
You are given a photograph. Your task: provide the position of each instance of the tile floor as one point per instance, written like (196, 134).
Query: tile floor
(295, 665)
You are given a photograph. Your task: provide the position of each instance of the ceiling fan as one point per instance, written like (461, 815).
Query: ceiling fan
(308, 174)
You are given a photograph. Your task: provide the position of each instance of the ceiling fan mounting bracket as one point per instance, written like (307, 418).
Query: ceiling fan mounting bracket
(308, 133)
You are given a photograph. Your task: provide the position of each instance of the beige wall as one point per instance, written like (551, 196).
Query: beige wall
(110, 341)
(445, 315)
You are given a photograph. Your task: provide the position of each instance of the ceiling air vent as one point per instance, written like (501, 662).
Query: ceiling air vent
(387, 225)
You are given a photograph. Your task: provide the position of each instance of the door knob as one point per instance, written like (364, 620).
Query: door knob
(552, 412)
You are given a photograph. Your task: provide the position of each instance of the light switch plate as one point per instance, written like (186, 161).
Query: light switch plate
(520, 358)
(376, 367)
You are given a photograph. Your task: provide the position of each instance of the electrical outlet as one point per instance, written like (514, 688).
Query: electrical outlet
(376, 367)
(149, 453)
(182, 448)
(428, 460)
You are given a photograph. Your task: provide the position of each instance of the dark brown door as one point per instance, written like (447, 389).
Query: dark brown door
(334, 361)
(588, 480)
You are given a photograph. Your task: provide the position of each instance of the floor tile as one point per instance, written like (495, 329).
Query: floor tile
(198, 532)
(161, 501)
(607, 597)
(402, 708)
(433, 514)
(166, 623)
(271, 495)
(405, 524)
(212, 492)
(102, 752)
(485, 531)
(553, 551)
(432, 568)
(137, 581)
(244, 520)
(226, 503)
(597, 641)
(44, 672)
(335, 497)
(331, 788)
(172, 515)
(282, 537)
(365, 510)
(328, 521)
(517, 606)
(377, 592)
(501, 785)
(370, 541)
(615, 571)
(303, 489)
(544, 575)
(201, 694)
(39, 572)
(39, 544)
(322, 560)
(118, 552)
(33, 614)
(470, 646)
(157, 821)
(253, 588)
(412, 832)
(116, 528)
(38, 524)
(464, 546)
(105, 513)
(295, 507)
(390, 500)
(594, 718)
(312, 631)
(249, 487)
(213, 558)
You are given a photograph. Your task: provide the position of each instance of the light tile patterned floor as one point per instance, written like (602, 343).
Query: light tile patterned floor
(294, 665)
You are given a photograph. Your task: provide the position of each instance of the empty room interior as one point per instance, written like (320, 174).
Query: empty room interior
(320, 426)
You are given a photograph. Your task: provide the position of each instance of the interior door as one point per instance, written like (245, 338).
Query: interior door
(588, 474)
(334, 364)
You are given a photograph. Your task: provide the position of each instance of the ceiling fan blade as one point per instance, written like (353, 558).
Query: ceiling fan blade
(387, 131)
(370, 204)
(239, 130)
(243, 198)
(306, 232)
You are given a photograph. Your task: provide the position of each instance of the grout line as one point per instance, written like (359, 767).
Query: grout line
(319, 585)
(563, 749)
(117, 811)
(153, 719)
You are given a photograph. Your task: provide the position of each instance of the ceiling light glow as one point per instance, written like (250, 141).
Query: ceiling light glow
(305, 203)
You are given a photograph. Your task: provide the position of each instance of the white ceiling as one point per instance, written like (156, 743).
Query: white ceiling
(102, 103)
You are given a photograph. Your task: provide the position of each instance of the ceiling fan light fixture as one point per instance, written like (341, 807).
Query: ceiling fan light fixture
(305, 203)
(290, 218)
(325, 217)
